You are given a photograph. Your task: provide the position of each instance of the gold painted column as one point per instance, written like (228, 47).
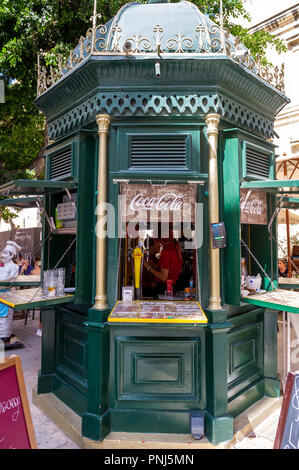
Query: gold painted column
(212, 121)
(103, 121)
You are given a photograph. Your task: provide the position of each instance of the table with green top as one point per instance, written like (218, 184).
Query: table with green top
(287, 301)
(31, 298)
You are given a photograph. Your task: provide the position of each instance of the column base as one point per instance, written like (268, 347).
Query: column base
(220, 429)
(96, 427)
(216, 316)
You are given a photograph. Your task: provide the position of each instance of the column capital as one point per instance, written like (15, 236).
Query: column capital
(212, 121)
(103, 122)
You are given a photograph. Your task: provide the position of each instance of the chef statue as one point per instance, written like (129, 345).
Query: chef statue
(9, 271)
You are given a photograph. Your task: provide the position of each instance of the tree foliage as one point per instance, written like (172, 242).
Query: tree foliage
(55, 26)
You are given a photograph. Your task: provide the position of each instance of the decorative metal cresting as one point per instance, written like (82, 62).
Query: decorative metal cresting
(207, 38)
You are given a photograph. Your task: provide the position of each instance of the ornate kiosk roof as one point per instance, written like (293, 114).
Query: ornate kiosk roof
(193, 53)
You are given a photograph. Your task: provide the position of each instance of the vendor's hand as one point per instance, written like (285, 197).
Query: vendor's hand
(146, 264)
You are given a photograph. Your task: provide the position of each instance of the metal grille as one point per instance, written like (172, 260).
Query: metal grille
(257, 163)
(158, 153)
(61, 164)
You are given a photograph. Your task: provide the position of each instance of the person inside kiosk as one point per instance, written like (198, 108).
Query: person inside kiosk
(157, 265)
(170, 263)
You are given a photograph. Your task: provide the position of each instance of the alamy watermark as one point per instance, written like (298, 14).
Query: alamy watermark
(140, 219)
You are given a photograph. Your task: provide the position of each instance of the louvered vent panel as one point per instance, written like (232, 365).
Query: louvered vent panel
(257, 163)
(61, 164)
(158, 153)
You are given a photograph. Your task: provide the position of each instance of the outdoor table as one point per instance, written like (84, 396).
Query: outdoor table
(23, 281)
(288, 302)
(31, 298)
(288, 283)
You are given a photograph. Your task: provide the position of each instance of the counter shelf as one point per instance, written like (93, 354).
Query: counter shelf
(280, 299)
(288, 283)
(157, 311)
(28, 299)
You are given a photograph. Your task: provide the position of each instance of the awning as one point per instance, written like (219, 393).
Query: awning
(21, 202)
(35, 187)
(273, 186)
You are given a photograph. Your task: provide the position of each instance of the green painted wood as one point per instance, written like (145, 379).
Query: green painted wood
(31, 187)
(262, 303)
(289, 285)
(86, 219)
(216, 369)
(274, 186)
(35, 299)
(94, 426)
(28, 283)
(245, 352)
(272, 384)
(45, 378)
(290, 202)
(219, 429)
(246, 398)
(20, 202)
(150, 421)
(231, 216)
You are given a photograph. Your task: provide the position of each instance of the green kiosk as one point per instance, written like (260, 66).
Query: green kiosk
(160, 112)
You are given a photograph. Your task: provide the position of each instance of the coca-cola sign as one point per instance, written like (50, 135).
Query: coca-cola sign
(159, 200)
(166, 202)
(253, 207)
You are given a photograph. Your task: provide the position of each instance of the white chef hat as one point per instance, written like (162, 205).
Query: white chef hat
(13, 247)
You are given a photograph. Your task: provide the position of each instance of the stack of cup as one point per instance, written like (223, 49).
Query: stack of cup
(53, 282)
(60, 277)
(45, 283)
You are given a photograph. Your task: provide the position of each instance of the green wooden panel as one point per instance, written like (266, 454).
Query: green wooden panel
(157, 365)
(245, 351)
(120, 165)
(148, 369)
(156, 369)
(71, 360)
(71, 348)
(86, 220)
(231, 216)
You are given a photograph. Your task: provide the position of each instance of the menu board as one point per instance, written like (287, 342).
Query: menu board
(280, 299)
(180, 311)
(287, 434)
(16, 427)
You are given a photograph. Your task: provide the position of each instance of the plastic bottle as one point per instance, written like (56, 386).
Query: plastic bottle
(244, 273)
(244, 268)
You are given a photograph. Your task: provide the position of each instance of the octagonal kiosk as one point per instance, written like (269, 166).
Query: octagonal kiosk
(163, 114)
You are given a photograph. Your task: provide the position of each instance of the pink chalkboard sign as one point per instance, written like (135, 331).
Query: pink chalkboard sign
(16, 427)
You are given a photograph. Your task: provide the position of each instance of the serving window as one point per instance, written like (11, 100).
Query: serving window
(158, 264)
